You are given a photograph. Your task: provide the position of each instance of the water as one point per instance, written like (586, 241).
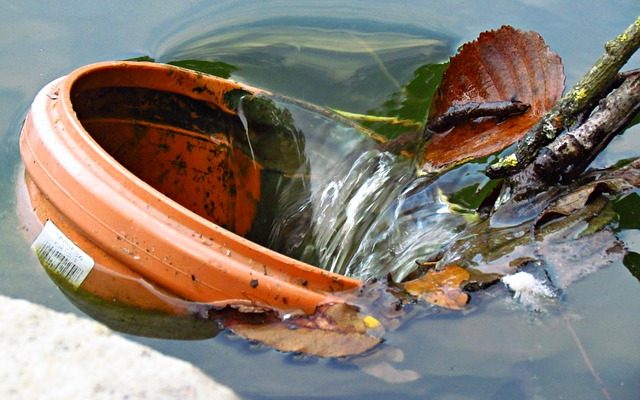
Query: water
(314, 51)
(368, 218)
(342, 202)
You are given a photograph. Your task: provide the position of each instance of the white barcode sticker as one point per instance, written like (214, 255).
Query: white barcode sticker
(58, 253)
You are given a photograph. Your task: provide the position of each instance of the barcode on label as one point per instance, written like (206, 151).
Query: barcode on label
(59, 254)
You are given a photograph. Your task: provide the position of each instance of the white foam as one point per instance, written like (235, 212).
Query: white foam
(528, 290)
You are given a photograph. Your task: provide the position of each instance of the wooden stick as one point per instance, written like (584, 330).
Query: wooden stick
(572, 104)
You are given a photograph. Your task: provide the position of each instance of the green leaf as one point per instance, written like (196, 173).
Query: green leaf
(217, 68)
(411, 103)
(141, 58)
(634, 121)
(632, 261)
(472, 196)
(628, 209)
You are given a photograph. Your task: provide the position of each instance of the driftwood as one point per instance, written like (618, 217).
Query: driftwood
(574, 105)
(566, 157)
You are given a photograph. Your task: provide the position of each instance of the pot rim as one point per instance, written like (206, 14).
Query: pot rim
(173, 246)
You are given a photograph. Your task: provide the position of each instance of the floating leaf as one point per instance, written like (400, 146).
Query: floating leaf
(334, 330)
(217, 68)
(570, 259)
(380, 365)
(632, 262)
(617, 180)
(409, 104)
(628, 210)
(575, 200)
(442, 287)
(500, 66)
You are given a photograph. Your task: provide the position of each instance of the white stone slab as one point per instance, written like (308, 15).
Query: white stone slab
(49, 355)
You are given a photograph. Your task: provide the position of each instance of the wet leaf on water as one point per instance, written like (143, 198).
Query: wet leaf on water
(380, 365)
(442, 287)
(617, 180)
(623, 178)
(632, 262)
(574, 201)
(216, 68)
(579, 249)
(335, 330)
(409, 104)
(628, 210)
(569, 259)
(500, 66)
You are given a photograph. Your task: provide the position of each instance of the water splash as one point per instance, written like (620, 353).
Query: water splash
(372, 218)
(245, 124)
(341, 202)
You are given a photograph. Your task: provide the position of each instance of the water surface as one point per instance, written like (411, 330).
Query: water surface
(353, 56)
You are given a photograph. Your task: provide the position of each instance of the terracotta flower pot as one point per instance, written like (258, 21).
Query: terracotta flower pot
(127, 160)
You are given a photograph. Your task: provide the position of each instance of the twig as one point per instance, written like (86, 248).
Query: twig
(586, 359)
(377, 118)
(571, 153)
(617, 53)
(472, 110)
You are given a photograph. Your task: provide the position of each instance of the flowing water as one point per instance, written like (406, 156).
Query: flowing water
(361, 56)
(342, 202)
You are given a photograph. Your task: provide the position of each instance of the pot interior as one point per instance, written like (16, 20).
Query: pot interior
(181, 146)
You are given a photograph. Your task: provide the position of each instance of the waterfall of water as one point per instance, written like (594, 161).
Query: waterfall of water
(351, 207)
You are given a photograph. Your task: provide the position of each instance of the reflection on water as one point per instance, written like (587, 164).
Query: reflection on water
(364, 58)
(134, 321)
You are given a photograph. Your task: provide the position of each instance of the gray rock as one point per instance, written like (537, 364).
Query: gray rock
(49, 355)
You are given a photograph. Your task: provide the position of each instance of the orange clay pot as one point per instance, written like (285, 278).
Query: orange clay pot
(122, 158)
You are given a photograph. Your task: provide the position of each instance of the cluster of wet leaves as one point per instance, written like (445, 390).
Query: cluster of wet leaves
(334, 330)
(570, 238)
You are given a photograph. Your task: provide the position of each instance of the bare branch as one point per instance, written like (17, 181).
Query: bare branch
(572, 152)
(572, 104)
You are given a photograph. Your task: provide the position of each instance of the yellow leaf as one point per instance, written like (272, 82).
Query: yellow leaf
(442, 287)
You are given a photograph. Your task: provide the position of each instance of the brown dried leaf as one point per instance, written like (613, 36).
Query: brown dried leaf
(500, 65)
(613, 181)
(575, 200)
(335, 330)
(442, 287)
